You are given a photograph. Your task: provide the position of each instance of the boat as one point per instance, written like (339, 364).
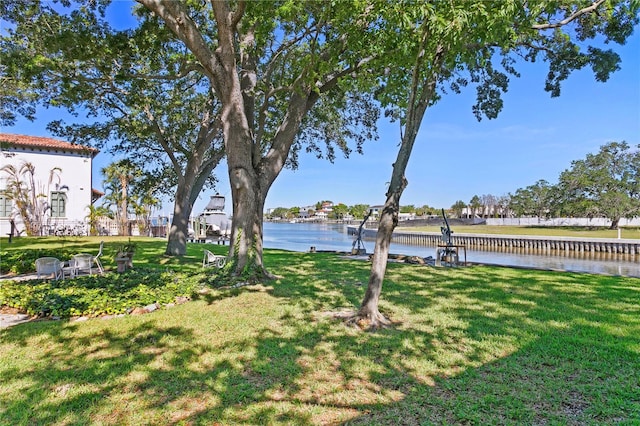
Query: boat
(213, 221)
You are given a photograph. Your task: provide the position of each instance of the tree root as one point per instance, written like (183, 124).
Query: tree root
(269, 276)
(370, 321)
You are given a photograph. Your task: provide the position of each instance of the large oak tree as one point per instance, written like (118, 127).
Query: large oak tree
(283, 74)
(603, 184)
(278, 74)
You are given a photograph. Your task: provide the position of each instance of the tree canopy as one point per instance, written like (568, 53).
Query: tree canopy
(534, 200)
(262, 67)
(603, 184)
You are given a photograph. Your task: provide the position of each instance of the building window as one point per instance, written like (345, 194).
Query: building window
(58, 204)
(6, 206)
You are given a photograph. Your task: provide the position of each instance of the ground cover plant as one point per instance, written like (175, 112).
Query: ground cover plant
(476, 345)
(156, 279)
(97, 295)
(16, 262)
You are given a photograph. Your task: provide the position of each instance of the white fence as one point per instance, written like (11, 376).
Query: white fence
(560, 221)
(62, 227)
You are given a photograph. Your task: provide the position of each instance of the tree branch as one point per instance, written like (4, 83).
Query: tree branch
(570, 18)
(282, 50)
(237, 15)
(163, 142)
(176, 18)
(332, 79)
(183, 72)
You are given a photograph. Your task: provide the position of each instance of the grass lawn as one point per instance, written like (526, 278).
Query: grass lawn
(476, 345)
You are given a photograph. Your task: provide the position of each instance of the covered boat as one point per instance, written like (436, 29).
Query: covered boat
(213, 221)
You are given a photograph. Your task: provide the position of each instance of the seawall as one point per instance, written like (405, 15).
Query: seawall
(578, 244)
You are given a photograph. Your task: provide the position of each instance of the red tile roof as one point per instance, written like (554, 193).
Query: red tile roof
(38, 142)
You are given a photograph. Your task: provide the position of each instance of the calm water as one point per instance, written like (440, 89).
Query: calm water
(301, 236)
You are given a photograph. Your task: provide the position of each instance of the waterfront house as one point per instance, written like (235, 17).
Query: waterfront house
(376, 210)
(65, 194)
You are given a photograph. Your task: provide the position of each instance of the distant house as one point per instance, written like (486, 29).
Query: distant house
(67, 198)
(326, 208)
(322, 215)
(376, 210)
(305, 212)
(406, 216)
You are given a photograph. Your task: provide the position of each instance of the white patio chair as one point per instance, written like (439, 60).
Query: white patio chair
(46, 266)
(96, 258)
(82, 262)
(211, 259)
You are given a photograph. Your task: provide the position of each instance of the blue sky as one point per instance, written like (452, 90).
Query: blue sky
(455, 156)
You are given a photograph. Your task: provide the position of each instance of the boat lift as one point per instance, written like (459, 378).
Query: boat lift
(358, 248)
(447, 252)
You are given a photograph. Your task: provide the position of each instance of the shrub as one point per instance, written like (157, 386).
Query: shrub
(96, 295)
(24, 261)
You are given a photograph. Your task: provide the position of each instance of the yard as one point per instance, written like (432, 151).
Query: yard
(476, 345)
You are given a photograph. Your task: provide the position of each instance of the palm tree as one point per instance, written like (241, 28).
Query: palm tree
(144, 203)
(30, 197)
(118, 176)
(95, 213)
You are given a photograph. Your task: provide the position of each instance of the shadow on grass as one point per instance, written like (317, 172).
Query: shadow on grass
(325, 285)
(556, 379)
(474, 345)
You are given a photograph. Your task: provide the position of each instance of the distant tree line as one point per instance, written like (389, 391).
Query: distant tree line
(341, 210)
(606, 184)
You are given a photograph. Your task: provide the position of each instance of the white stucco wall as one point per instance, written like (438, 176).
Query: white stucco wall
(75, 174)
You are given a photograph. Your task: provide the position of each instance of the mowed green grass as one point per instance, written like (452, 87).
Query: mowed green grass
(557, 231)
(477, 345)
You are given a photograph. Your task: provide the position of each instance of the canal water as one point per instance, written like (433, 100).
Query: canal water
(333, 237)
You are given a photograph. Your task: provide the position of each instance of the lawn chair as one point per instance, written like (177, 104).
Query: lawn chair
(82, 262)
(49, 266)
(211, 259)
(96, 258)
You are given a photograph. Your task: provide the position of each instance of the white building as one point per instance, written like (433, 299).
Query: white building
(376, 210)
(67, 197)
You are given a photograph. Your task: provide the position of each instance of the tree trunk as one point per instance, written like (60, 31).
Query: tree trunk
(368, 311)
(189, 186)
(124, 208)
(179, 230)
(251, 175)
(614, 223)
(419, 98)
(246, 236)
